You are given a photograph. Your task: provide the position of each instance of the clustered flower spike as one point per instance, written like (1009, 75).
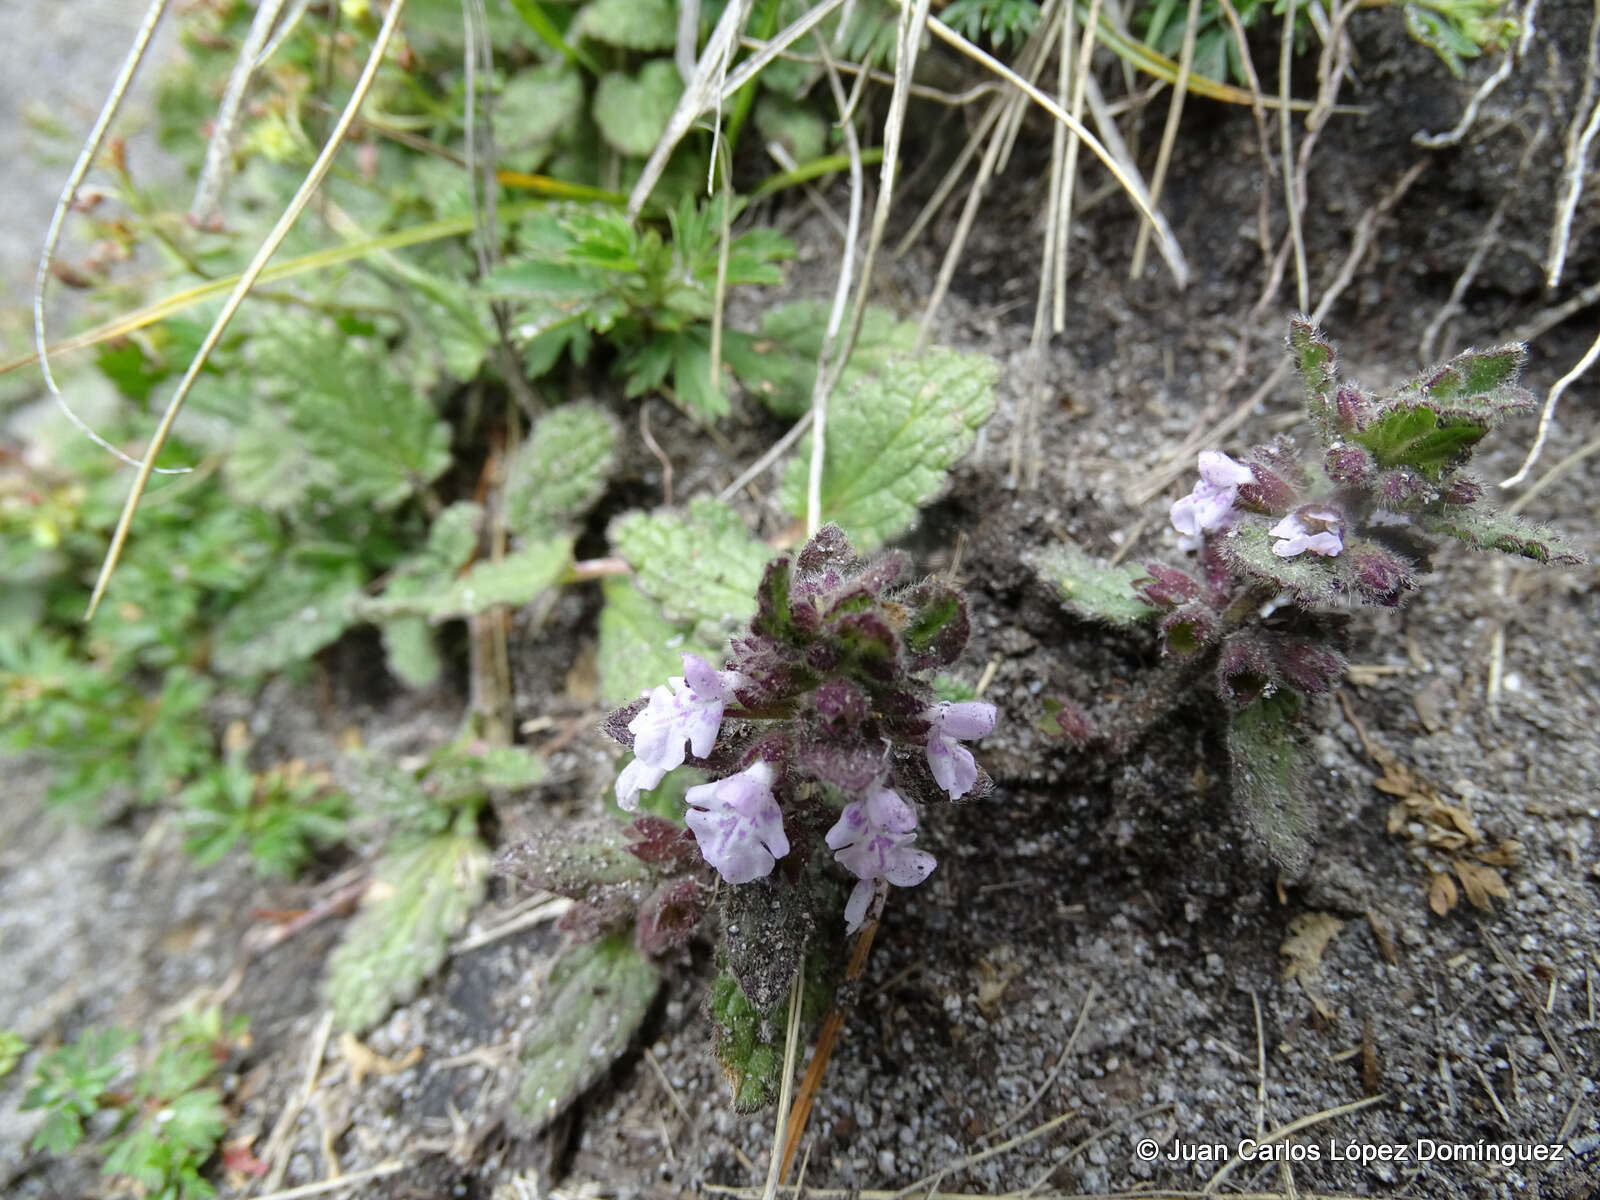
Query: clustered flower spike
(1209, 507)
(1308, 532)
(822, 729)
(689, 711)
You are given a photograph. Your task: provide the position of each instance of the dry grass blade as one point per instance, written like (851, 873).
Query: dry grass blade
(1579, 137)
(1054, 224)
(1058, 318)
(791, 1045)
(1291, 196)
(203, 211)
(832, 358)
(1547, 414)
(820, 1057)
(247, 280)
(1006, 109)
(1129, 181)
(701, 92)
(1169, 135)
(1285, 1131)
(52, 238)
(1469, 116)
(1259, 112)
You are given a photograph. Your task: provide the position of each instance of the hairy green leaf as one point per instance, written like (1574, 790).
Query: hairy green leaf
(1093, 589)
(1483, 528)
(12, 1047)
(752, 1062)
(410, 653)
(560, 471)
(1420, 439)
(891, 441)
(1314, 357)
(632, 110)
(630, 24)
(701, 565)
(596, 997)
(420, 897)
(1270, 772)
(1314, 580)
(341, 422)
(514, 580)
(780, 364)
(639, 648)
(306, 604)
(536, 107)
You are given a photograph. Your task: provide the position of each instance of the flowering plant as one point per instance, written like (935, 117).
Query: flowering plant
(821, 737)
(1287, 543)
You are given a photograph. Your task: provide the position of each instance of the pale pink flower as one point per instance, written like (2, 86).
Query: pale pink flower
(690, 710)
(738, 825)
(1209, 507)
(951, 723)
(872, 840)
(1319, 530)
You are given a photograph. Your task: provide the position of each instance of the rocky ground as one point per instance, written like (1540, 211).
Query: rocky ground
(1103, 957)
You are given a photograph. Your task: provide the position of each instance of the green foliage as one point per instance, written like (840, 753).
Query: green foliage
(999, 20)
(408, 639)
(68, 1082)
(1216, 51)
(168, 1115)
(1460, 29)
(338, 422)
(428, 882)
(447, 790)
(1095, 590)
(1314, 357)
(1490, 530)
(779, 363)
(283, 815)
(421, 896)
(752, 1061)
(891, 441)
(1270, 773)
(1420, 438)
(561, 470)
(584, 271)
(596, 997)
(701, 565)
(638, 647)
(630, 24)
(632, 109)
(306, 607)
(12, 1047)
(102, 735)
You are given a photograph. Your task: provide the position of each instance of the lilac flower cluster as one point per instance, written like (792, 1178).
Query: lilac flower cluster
(820, 718)
(1287, 541)
(736, 820)
(1209, 508)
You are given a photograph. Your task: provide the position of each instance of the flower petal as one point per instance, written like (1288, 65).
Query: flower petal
(966, 719)
(1217, 468)
(855, 910)
(909, 867)
(952, 765)
(638, 776)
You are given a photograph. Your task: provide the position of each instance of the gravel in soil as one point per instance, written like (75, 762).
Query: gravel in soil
(1102, 953)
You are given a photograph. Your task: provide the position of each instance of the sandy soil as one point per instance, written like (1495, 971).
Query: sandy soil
(1102, 949)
